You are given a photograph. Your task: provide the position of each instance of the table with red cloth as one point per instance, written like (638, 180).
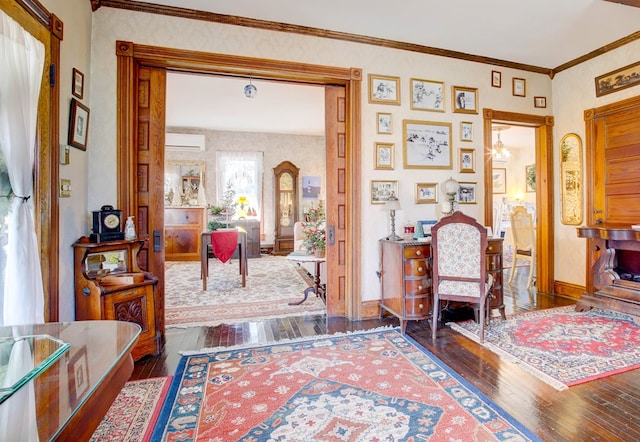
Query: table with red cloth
(223, 243)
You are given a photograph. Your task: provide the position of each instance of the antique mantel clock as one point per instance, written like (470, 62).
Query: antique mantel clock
(107, 225)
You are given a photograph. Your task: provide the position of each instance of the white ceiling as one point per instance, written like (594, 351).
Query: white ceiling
(543, 33)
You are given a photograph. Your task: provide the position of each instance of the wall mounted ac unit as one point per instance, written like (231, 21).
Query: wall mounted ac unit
(185, 142)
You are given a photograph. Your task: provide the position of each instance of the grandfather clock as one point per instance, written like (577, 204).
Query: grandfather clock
(286, 206)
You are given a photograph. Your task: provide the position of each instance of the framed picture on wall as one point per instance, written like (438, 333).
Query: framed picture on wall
(467, 193)
(427, 145)
(77, 84)
(499, 179)
(465, 100)
(384, 123)
(381, 190)
(78, 125)
(466, 131)
(384, 89)
(427, 95)
(384, 156)
(426, 193)
(530, 178)
(467, 160)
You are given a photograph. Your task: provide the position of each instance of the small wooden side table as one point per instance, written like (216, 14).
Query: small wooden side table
(317, 288)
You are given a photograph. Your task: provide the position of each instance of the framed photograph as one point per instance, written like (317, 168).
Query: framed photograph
(384, 156)
(427, 145)
(619, 79)
(425, 226)
(539, 101)
(467, 160)
(496, 78)
(384, 123)
(383, 89)
(467, 193)
(311, 186)
(427, 95)
(77, 84)
(465, 100)
(466, 131)
(499, 179)
(519, 87)
(382, 190)
(78, 375)
(530, 178)
(78, 125)
(426, 193)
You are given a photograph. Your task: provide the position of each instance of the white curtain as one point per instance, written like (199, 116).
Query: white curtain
(244, 171)
(22, 61)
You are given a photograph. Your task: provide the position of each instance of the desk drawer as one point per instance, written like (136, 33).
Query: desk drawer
(183, 216)
(420, 286)
(416, 267)
(414, 252)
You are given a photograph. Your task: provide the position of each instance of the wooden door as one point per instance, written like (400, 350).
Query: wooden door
(149, 183)
(613, 170)
(336, 141)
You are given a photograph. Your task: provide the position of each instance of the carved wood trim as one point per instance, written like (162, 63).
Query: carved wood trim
(313, 32)
(544, 197)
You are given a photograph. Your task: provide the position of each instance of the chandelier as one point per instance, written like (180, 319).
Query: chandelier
(499, 150)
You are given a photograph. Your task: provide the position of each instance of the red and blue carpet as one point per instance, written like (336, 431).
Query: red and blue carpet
(364, 386)
(133, 414)
(561, 346)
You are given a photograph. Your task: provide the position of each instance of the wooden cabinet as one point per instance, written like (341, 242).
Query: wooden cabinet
(286, 206)
(109, 284)
(405, 276)
(406, 284)
(182, 228)
(494, 264)
(252, 227)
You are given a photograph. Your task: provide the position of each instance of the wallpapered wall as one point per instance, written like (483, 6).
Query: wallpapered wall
(568, 95)
(305, 151)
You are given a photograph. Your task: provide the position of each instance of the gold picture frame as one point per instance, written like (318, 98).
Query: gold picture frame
(384, 89)
(466, 131)
(384, 123)
(571, 179)
(465, 100)
(467, 160)
(384, 153)
(499, 180)
(381, 190)
(617, 80)
(426, 193)
(427, 145)
(530, 178)
(427, 95)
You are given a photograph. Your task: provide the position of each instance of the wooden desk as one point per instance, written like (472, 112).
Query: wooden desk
(75, 392)
(405, 278)
(205, 242)
(316, 288)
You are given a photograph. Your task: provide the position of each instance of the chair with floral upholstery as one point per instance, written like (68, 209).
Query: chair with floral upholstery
(459, 244)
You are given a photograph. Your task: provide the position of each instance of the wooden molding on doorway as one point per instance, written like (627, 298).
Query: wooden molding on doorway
(131, 56)
(543, 126)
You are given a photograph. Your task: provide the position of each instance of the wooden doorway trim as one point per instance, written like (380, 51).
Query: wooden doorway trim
(543, 126)
(131, 56)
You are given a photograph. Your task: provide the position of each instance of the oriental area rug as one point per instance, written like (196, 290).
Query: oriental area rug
(561, 346)
(133, 414)
(361, 386)
(272, 283)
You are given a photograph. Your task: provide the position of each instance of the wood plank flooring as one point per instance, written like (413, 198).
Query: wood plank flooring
(602, 410)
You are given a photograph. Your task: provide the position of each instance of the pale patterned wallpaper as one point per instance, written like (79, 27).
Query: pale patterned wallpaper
(306, 152)
(111, 25)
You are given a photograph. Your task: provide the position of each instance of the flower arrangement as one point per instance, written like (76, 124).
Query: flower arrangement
(315, 236)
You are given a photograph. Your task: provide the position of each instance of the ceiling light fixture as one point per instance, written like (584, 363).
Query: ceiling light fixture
(250, 91)
(499, 150)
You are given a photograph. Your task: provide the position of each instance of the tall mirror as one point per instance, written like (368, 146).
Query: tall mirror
(184, 183)
(571, 179)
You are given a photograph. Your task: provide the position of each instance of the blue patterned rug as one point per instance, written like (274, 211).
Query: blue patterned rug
(363, 386)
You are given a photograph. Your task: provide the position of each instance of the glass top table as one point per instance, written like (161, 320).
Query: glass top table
(83, 366)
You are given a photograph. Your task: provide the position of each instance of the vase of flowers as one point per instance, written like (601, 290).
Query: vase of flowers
(314, 230)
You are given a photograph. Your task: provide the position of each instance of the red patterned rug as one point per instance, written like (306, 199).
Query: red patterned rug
(133, 414)
(364, 386)
(564, 347)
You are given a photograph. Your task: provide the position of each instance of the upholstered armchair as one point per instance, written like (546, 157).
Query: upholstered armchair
(459, 245)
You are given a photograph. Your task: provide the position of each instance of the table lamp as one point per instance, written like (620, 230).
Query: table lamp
(450, 187)
(242, 202)
(392, 204)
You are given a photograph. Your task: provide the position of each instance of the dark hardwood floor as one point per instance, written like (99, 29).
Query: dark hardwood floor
(603, 410)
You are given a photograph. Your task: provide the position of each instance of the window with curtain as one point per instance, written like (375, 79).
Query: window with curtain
(242, 172)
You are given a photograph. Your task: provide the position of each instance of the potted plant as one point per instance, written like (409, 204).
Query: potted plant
(314, 230)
